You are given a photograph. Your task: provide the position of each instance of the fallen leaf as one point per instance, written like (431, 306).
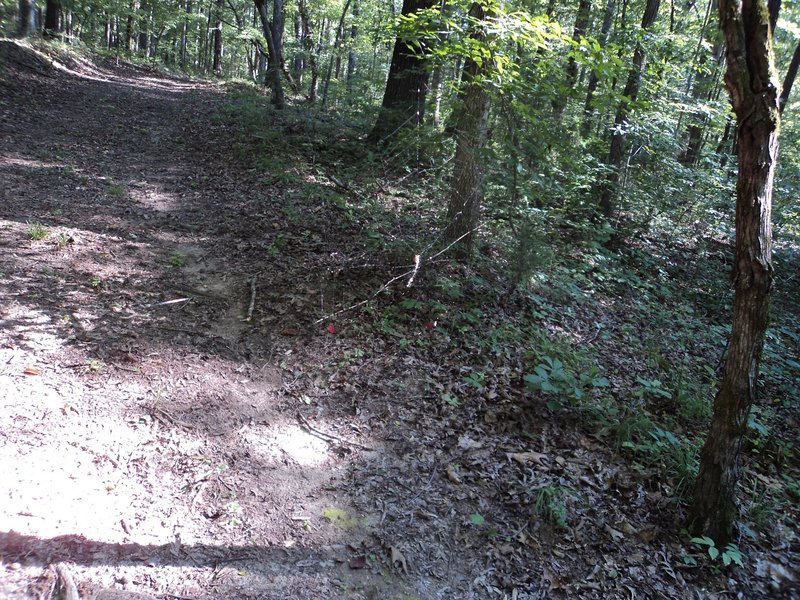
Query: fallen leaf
(618, 536)
(526, 458)
(467, 443)
(331, 328)
(397, 557)
(452, 475)
(31, 371)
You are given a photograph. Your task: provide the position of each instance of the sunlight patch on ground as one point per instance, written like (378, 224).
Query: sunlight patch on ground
(28, 327)
(10, 161)
(302, 447)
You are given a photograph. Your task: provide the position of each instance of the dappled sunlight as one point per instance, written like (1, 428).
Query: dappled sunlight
(15, 161)
(300, 445)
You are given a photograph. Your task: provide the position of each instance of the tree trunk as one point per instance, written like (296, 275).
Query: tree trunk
(754, 91)
(616, 154)
(351, 55)
(703, 87)
(51, 17)
(404, 97)
(130, 40)
(588, 109)
(310, 53)
(337, 42)
(466, 189)
(217, 61)
(788, 80)
(581, 23)
(25, 24)
(273, 54)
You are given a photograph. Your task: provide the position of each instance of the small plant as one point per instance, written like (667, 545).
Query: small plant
(96, 282)
(450, 399)
(117, 190)
(553, 378)
(550, 505)
(63, 240)
(729, 554)
(651, 389)
(351, 357)
(37, 231)
(177, 259)
(476, 379)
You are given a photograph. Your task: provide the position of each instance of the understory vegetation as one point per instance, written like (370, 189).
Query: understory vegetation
(625, 346)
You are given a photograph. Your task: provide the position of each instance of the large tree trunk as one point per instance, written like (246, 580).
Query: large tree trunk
(754, 91)
(274, 51)
(404, 97)
(26, 19)
(466, 188)
(52, 16)
(616, 154)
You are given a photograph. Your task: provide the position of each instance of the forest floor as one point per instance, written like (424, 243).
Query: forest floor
(184, 413)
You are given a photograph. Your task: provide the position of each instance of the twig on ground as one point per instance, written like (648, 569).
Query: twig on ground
(68, 588)
(166, 302)
(327, 436)
(417, 259)
(252, 299)
(384, 287)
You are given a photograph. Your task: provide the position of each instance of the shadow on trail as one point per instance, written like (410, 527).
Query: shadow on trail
(32, 550)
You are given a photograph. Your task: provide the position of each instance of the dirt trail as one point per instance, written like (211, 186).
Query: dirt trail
(150, 437)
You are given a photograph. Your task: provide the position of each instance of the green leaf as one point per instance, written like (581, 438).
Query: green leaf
(713, 552)
(477, 519)
(703, 541)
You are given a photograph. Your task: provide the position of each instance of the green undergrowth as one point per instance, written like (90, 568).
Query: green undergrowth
(626, 346)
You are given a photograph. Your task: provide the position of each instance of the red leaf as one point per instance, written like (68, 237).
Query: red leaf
(331, 328)
(430, 325)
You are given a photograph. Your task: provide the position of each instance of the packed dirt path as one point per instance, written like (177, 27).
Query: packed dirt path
(153, 434)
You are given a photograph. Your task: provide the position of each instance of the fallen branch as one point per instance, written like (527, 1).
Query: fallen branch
(327, 436)
(252, 299)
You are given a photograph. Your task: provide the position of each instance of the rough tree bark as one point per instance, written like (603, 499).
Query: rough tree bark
(466, 188)
(404, 97)
(274, 51)
(754, 89)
